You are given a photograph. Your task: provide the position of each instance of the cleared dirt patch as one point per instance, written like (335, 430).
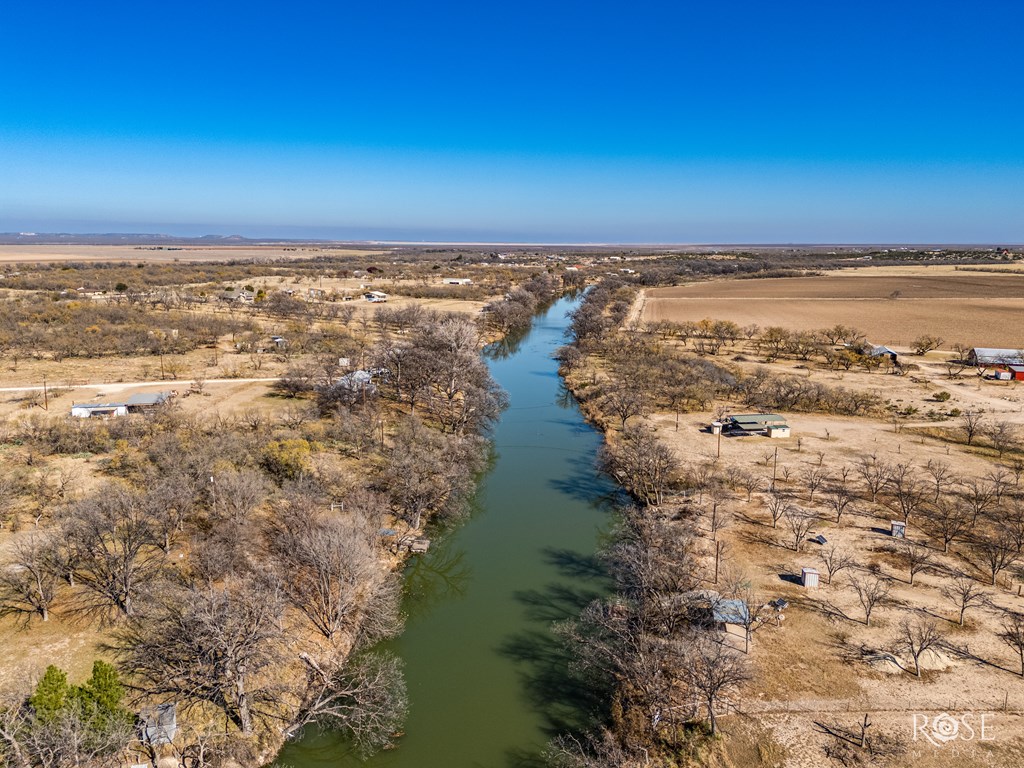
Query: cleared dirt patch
(973, 308)
(953, 285)
(976, 322)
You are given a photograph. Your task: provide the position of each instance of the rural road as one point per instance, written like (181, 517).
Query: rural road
(120, 386)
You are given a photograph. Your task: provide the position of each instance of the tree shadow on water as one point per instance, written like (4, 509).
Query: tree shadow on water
(569, 699)
(584, 482)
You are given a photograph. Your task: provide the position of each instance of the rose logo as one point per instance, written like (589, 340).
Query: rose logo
(944, 728)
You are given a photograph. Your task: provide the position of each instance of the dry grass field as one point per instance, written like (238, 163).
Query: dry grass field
(972, 308)
(51, 253)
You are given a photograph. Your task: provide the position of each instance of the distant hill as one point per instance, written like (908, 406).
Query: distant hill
(127, 238)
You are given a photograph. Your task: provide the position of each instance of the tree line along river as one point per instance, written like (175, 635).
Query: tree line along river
(489, 682)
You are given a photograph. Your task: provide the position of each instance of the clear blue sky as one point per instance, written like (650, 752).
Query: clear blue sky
(526, 121)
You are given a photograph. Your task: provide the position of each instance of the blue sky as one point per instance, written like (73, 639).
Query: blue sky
(527, 121)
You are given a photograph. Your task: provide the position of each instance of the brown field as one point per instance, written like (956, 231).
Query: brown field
(50, 253)
(972, 308)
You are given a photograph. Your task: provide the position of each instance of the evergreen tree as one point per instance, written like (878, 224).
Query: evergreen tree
(51, 695)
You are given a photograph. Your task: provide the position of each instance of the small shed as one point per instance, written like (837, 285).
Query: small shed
(898, 529)
(1016, 372)
(778, 430)
(716, 427)
(146, 401)
(457, 281)
(730, 611)
(809, 577)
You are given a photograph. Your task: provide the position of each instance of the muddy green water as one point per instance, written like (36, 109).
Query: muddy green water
(488, 682)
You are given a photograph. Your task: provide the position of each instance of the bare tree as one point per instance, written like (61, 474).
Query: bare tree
(642, 463)
(971, 424)
(980, 497)
(941, 476)
(1012, 633)
(209, 645)
(751, 483)
(916, 557)
(875, 475)
(872, 591)
(714, 671)
(963, 593)
(813, 479)
(800, 522)
(331, 567)
(237, 493)
(28, 581)
(948, 521)
(997, 552)
(835, 560)
(1002, 434)
(777, 504)
(839, 499)
(624, 400)
(916, 637)
(116, 552)
(907, 489)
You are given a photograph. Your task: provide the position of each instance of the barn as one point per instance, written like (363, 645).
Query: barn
(985, 356)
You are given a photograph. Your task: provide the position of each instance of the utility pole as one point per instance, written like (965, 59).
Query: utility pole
(46, 397)
(719, 443)
(775, 468)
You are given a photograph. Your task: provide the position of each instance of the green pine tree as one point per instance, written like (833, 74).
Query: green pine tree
(51, 695)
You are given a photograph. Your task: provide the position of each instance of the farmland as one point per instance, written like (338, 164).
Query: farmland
(972, 308)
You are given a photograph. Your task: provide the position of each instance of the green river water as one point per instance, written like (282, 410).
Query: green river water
(488, 682)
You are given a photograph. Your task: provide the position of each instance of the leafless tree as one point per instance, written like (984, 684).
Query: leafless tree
(714, 671)
(963, 593)
(236, 493)
(642, 463)
(28, 581)
(948, 521)
(997, 552)
(331, 566)
(971, 424)
(980, 496)
(624, 400)
(751, 483)
(875, 475)
(116, 552)
(872, 591)
(209, 645)
(916, 637)
(1012, 633)
(839, 499)
(917, 558)
(813, 479)
(1002, 434)
(777, 504)
(364, 697)
(941, 476)
(835, 560)
(799, 522)
(907, 489)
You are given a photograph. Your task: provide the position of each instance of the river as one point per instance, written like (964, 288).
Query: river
(488, 681)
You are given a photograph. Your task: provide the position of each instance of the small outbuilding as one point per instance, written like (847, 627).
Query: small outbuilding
(755, 423)
(777, 430)
(99, 410)
(898, 529)
(730, 612)
(457, 281)
(809, 577)
(146, 401)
